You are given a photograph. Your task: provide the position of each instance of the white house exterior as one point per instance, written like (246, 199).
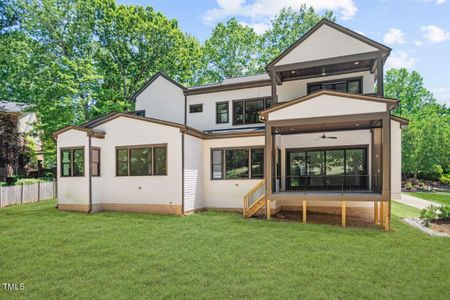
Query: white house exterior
(310, 134)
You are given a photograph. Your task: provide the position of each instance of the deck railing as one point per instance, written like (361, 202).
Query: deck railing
(254, 194)
(343, 183)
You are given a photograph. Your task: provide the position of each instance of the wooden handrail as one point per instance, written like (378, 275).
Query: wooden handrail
(255, 188)
(249, 194)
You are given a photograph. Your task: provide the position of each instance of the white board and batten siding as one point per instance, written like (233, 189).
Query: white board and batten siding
(325, 106)
(325, 42)
(396, 160)
(193, 173)
(162, 99)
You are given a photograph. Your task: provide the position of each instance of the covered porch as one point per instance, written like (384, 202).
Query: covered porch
(318, 154)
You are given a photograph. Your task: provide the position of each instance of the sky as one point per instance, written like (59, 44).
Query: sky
(418, 31)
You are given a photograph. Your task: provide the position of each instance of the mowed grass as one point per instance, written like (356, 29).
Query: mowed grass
(404, 211)
(213, 255)
(443, 198)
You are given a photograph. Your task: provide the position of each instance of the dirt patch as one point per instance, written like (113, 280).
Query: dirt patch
(441, 226)
(432, 230)
(325, 218)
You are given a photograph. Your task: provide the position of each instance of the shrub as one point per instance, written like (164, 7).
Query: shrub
(433, 174)
(444, 212)
(429, 214)
(27, 181)
(445, 178)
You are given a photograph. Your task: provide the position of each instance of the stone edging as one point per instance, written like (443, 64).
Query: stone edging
(418, 224)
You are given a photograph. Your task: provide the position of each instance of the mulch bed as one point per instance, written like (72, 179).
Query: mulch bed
(419, 185)
(324, 218)
(440, 228)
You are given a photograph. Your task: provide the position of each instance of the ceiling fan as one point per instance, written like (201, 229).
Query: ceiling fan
(323, 136)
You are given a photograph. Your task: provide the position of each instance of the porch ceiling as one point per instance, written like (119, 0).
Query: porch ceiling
(326, 70)
(326, 127)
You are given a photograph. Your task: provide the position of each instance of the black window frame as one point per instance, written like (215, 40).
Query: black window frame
(192, 108)
(267, 104)
(152, 159)
(71, 162)
(227, 112)
(223, 163)
(334, 82)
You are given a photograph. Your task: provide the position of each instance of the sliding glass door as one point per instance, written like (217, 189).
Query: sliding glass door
(326, 169)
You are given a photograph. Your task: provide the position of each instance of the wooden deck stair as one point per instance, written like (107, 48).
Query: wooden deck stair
(254, 200)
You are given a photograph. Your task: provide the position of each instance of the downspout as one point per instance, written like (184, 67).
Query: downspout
(90, 172)
(182, 153)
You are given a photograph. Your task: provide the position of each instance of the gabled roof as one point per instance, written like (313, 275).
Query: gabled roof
(379, 46)
(89, 132)
(150, 81)
(392, 102)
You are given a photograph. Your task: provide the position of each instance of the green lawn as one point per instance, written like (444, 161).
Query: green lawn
(213, 255)
(404, 211)
(443, 198)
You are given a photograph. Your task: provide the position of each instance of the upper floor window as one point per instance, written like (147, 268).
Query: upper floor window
(246, 111)
(195, 108)
(346, 85)
(72, 162)
(221, 112)
(141, 160)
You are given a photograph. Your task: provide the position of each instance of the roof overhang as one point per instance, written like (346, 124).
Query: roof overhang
(89, 132)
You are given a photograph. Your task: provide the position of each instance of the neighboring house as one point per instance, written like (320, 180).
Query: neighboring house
(24, 121)
(311, 134)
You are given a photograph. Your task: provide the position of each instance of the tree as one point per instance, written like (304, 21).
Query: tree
(230, 51)
(286, 28)
(10, 142)
(425, 140)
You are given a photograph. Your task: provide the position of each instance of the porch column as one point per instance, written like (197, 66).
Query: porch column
(274, 87)
(386, 163)
(268, 147)
(380, 85)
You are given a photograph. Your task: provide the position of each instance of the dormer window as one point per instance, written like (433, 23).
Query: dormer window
(346, 85)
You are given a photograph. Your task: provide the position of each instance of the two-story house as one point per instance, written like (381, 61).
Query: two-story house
(311, 134)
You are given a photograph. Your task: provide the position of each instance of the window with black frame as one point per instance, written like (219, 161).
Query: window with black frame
(72, 162)
(350, 86)
(237, 163)
(141, 161)
(222, 112)
(246, 111)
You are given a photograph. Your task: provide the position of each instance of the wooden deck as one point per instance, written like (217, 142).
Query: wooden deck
(327, 196)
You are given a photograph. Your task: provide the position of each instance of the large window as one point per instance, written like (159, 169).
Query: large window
(346, 85)
(331, 168)
(221, 112)
(141, 160)
(72, 162)
(246, 111)
(237, 163)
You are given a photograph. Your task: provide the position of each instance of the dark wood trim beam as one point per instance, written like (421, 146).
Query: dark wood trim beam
(268, 160)
(328, 61)
(380, 84)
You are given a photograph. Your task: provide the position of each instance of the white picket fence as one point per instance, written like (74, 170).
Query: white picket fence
(27, 193)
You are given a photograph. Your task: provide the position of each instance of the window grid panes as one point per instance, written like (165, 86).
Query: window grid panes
(246, 111)
(195, 108)
(351, 86)
(72, 162)
(222, 112)
(141, 161)
(239, 163)
(95, 168)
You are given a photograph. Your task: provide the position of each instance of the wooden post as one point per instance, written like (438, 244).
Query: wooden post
(39, 190)
(21, 194)
(380, 87)
(375, 212)
(344, 212)
(304, 211)
(381, 213)
(268, 208)
(387, 217)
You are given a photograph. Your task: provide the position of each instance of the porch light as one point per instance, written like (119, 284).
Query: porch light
(356, 62)
(291, 129)
(357, 124)
(293, 72)
(323, 72)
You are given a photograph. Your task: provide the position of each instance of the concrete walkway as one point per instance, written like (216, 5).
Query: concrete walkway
(415, 202)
